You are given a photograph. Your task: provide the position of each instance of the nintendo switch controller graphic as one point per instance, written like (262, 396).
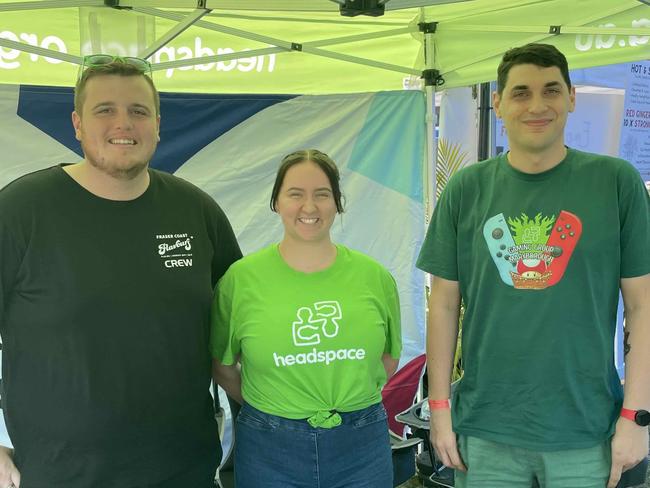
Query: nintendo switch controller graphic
(532, 252)
(563, 240)
(499, 241)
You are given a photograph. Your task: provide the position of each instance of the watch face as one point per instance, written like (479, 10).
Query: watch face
(642, 417)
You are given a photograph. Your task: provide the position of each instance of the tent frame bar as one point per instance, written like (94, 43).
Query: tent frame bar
(216, 58)
(46, 53)
(174, 32)
(215, 27)
(555, 30)
(281, 45)
(543, 34)
(295, 6)
(360, 37)
(193, 19)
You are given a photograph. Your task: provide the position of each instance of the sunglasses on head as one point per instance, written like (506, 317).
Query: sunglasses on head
(95, 60)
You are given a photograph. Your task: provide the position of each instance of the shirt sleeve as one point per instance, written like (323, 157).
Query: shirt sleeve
(226, 248)
(393, 319)
(224, 346)
(10, 259)
(439, 253)
(634, 216)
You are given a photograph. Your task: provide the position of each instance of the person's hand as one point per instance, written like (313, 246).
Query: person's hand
(9, 475)
(629, 447)
(443, 439)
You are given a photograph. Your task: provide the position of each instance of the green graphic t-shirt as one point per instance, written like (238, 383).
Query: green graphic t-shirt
(539, 258)
(307, 342)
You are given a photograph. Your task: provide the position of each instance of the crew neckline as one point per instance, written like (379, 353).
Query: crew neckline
(505, 164)
(335, 264)
(81, 189)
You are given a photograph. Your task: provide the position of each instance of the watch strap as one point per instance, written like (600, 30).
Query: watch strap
(628, 414)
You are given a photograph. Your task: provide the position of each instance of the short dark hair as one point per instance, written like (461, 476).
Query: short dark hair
(322, 160)
(544, 55)
(115, 68)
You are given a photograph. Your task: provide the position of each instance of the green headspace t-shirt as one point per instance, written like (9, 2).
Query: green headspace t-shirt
(539, 258)
(307, 342)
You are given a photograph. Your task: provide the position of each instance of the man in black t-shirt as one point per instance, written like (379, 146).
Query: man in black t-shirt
(106, 275)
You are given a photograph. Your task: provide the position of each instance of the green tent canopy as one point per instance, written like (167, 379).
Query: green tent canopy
(306, 46)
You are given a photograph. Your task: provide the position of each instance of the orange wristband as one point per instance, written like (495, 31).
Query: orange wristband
(438, 404)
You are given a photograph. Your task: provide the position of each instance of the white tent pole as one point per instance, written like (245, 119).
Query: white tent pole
(546, 29)
(362, 37)
(164, 14)
(273, 41)
(429, 170)
(173, 32)
(432, 150)
(270, 40)
(46, 53)
(284, 45)
(358, 60)
(259, 52)
(164, 3)
(286, 5)
(185, 21)
(400, 4)
(429, 176)
(216, 58)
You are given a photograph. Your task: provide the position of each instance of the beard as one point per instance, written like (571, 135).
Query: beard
(124, 173)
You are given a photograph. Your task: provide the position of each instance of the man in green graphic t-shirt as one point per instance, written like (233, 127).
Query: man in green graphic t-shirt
(537, 243)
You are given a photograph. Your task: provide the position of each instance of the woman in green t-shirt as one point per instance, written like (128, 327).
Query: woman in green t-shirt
(305, 334)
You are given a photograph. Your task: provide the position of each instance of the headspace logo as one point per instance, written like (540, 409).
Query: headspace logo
(314, 325)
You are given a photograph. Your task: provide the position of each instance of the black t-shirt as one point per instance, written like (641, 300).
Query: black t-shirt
(104, 316)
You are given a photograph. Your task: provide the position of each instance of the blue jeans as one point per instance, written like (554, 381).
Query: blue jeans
(275, 452)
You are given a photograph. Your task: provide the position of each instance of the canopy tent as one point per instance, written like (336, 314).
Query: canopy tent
(306, 46)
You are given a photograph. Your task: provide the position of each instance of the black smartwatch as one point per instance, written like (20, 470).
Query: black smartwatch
(640, 417)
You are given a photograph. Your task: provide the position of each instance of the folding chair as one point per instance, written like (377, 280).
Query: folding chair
(398, 394)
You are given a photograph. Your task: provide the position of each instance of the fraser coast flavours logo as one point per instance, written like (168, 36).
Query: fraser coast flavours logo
(315, 325)
(532, 253)
(175, 250)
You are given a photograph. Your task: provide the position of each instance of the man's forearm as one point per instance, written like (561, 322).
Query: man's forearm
(637, 343)
(442, 336)
(637, 360)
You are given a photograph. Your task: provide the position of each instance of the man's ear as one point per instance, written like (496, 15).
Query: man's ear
(76, 123)
(572, 98)
(496, 102)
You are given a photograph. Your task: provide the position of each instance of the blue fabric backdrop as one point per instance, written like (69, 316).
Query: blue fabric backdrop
(230, 146)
